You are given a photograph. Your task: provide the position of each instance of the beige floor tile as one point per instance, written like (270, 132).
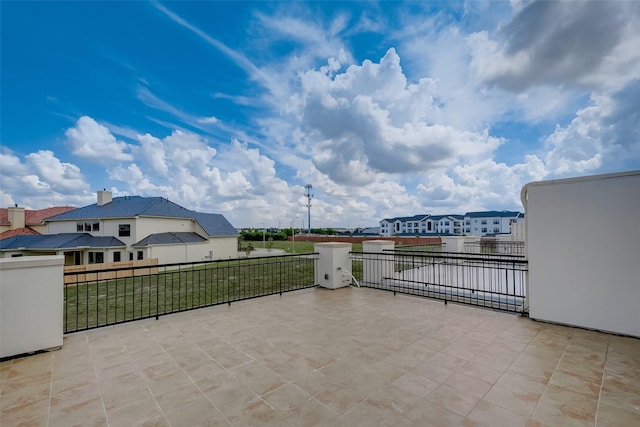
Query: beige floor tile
(610, 416)
(134, 413)
(480, 372)
(453, 400)
(339, 398)
(576, 383)
(124, 389)
(164, 377)
(469, 385)
(198, 412)
(24, 396)
(366, 383)
(16, 382)
(521, 402)
(231, 397)
(178, 397)
(427, 413)
(25, 414)
(486, 414)
(233, 359)
(258, 413)
(287, 397)
(87, 412)
(368, 414)
(378, 359)
(310, 414)
(621, 392)
(560, 406)
(74, 397)
(259, 378)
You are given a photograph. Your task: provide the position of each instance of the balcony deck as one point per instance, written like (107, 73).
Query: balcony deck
(347, 357)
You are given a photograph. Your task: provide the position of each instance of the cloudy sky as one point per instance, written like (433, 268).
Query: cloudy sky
(387, 109)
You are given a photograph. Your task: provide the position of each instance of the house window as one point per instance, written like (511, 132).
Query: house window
(496, 229)
(80, 226)
(124, 230)
(467, 222)
(483, 222)
(484, 229)
(130, 256)
(447, 223)
(140, 255)
(496, 221)
(116, 256)
(467, 230)
(96, 257)
(95, 226)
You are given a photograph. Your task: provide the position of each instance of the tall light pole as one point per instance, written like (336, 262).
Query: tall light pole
(264, 232)
(293, 234)
(308, 195)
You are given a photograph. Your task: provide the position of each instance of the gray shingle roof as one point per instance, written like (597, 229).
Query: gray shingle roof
(134, 206)
(490, 214)
(60, 241)
(170, 238)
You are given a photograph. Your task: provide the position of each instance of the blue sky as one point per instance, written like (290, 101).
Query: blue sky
(387, 109)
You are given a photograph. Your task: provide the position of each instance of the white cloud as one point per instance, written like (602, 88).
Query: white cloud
(41, 180)
(581, 43)
(90, 140)
(208, 120)
(370, 120)
(604, 133)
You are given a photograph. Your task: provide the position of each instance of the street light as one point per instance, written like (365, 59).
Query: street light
(293, 234)
(264, 232)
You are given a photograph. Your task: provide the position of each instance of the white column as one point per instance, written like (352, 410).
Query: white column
(31, 298)
(334, 264)
(374, 267)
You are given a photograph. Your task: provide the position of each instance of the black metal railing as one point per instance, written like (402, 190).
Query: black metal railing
(431, 247)
(476, 279)
(495, 247)
(107, 297)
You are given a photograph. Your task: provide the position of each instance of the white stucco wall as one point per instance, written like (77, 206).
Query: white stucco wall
(583, 245)
(219, 247)
(31, 298)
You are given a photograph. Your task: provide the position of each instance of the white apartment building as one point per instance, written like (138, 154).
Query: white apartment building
(470, 224)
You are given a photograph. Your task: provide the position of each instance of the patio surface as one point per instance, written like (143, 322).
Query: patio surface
(349, 357)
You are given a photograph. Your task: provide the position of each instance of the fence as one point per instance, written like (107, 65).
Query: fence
(495, 247)
(497, 282)
(124, 294)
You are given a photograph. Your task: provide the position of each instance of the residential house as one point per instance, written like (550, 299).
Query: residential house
(17, 221)
(130, 228)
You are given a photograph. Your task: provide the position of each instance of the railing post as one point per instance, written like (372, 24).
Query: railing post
(374, 269)
(334, 264)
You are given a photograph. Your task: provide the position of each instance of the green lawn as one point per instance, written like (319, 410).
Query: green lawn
(106, 302)
(301, 246)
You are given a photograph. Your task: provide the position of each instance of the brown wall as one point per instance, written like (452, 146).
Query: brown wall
(360, 239)
(85, 271)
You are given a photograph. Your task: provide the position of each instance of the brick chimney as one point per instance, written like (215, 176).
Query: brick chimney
(16, 217)
(104, 197)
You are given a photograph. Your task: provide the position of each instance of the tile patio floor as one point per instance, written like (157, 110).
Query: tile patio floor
(349, 357)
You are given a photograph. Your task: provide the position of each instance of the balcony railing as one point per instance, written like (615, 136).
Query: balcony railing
(495, 247)
(497, 282)
(117, 295)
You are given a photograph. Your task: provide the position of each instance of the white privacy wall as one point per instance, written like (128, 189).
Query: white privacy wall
(31, 298)
(583, 245)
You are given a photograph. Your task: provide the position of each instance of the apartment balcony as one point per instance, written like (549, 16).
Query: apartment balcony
(344, 357)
